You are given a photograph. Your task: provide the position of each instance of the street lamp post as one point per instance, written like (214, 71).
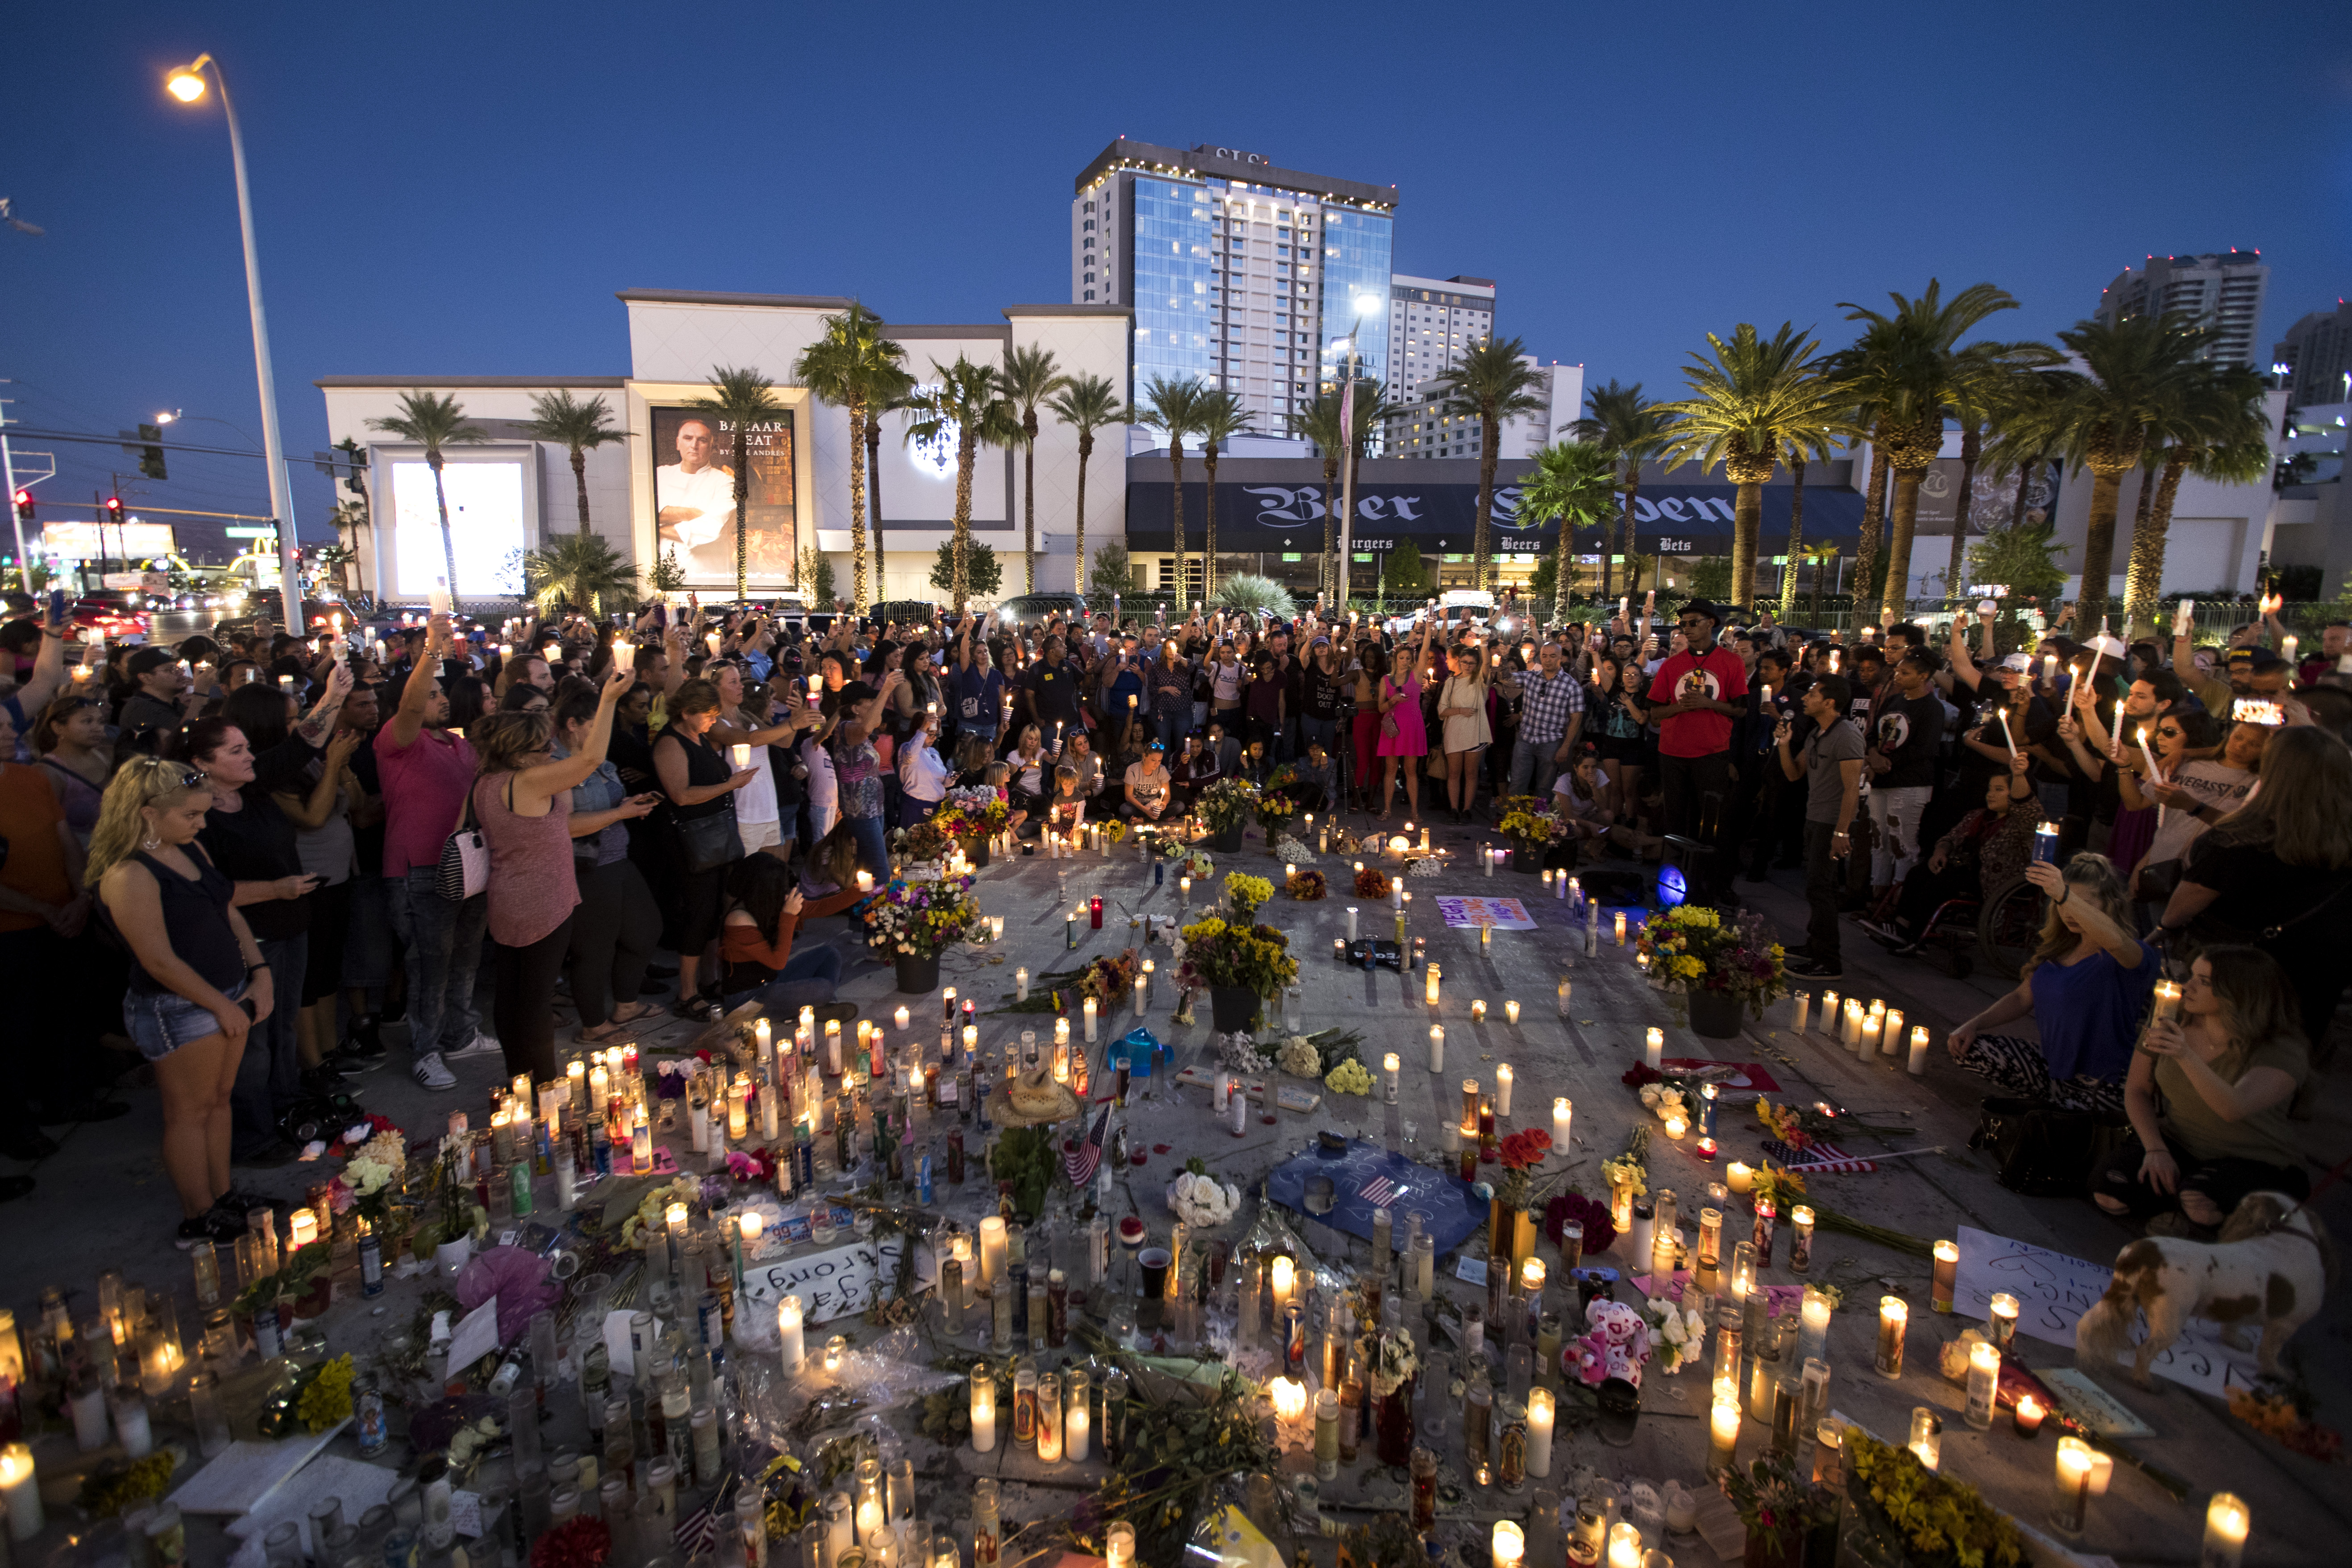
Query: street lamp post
(188, 84)
(1362, 305)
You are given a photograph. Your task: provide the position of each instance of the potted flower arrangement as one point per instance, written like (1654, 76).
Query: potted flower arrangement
(1520, 1154)
(1247, 894)
(1275, 811)
(1532, 829)
(972, 816)
(1238, 965)
(925, 843)
(1718, 967)
(1223, 807)
(914, 922)
(1790, 1521)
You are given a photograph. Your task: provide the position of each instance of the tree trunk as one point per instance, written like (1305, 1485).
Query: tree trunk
(1796, 535)
(1483, 537)
(1894, 595)
(1028, 500)
(1176, 499)
(2099, 544)
(1625, 544)
(1209, 523)
(857, 581)
(2143, 577)
(874, 499)
(1085, 450)
(1971, 449)
(448, 545)
(1873, 518)
(1562, 572)
(1747, 527)
(580, 482)
(743, 523)
(960, 577)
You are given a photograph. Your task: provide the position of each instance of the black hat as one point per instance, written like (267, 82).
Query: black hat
(1702, 607)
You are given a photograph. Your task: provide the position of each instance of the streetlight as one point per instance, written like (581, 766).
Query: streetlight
(1361, 307)
(188, 85)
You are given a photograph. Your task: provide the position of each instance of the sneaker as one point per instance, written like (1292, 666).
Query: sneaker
(353, 1062)
(429, 1072)
(367, 1039)
(269, 1159)
(481, 1044)
(1814, 968)
(216, 1223)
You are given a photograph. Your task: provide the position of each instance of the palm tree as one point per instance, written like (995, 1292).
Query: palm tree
(1173, 407)
(1085, 404)
(889, 389)
(2213, 428)
(1575, 482)
(1631, 430)
(581, 570)
(580, 428)
(434, 421)
(1320, 424)
(1753, 401)
(1796, 457)
(841, 368)
(1221, 417)
(964, 401)
(1028, 379)
(743, 400)
(1821, 555)
(1372, 409)
(2103, 418)
(1908, 370)
(1494, 382)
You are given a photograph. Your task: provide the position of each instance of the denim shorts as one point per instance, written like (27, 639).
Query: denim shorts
(161, 1023)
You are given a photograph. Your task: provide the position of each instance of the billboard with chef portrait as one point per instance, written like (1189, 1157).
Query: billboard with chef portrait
(694, 496)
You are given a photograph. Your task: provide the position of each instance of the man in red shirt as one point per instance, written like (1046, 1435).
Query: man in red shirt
(1698, 692)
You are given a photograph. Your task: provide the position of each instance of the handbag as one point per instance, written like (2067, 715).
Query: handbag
(709, 841)
(465, 868)
(2044, 1151)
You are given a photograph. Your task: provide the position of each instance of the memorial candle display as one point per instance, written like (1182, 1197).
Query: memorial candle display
(1984, 1384)
(2227, 1522)
(2073, 1487)
(1437, 1048)
(1503, 1090)
(983, 1408)
(1563, 1116)
(1894, 1317)
(1654, 1047)
(1541, 1416)
(791, 1333)
(991, 1249)
(1946, 1276)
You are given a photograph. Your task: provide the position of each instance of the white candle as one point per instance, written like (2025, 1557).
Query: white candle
(1077, 1433)
(1829, 1018)
(991, 1249)
(1853, 1016)
(1020, 988)
(1090, 1010)
(1510, 1550)
(1511, 1013)
(1396, 892)
(984, 1412)
(1540, 1421)
(1503, 1090)
(1890, 1035)
(1654, 1047)
(1871, 1025)
(789, 1330)
(1805, 1010)
(1142, 991)
(1390, 1064)
(1562, 991)
(1351, 921)
(1563, 1116)
(1741, 1175)
(20, 1490)
(1437, 1048)
(742, 755)
(1918, 1062)
(2227, 1522)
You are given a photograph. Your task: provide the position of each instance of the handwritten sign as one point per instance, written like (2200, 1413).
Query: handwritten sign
(830, 1284)
(2054, 1290)
(1469, 914)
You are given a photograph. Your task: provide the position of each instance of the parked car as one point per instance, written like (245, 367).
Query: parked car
(1030, 609)
(115, 614)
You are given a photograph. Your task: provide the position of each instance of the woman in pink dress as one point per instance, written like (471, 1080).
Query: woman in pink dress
(1402, 734)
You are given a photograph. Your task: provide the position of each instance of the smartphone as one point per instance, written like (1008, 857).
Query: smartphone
(2256, 711)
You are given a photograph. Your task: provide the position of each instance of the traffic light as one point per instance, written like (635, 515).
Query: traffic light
(24, 506)
(151, 455)
(114, 509)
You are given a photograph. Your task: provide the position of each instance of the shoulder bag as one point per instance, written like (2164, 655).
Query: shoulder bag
(465, 868)
(709, 841)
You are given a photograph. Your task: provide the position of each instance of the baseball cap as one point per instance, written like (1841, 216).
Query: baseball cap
(2021, 662)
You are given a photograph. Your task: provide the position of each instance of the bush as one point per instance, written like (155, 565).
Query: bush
(1252, 594)
(982, 573)
(1402, 572)
(1110, 572)
(816, 577)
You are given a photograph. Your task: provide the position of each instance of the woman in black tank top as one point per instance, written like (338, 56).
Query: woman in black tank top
(198, 982)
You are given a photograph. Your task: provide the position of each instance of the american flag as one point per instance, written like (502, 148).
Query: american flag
(1381, 1189)
(697, 1532)
(1818, 1159)
(1081, 1162)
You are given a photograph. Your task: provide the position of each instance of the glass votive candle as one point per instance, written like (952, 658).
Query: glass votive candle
(1946, 1276)
(2028, 1416)
(2073, 1504)
(1926, 1436)
(1894, 1317)
(2001, 1320)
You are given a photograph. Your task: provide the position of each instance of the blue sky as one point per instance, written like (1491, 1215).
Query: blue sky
(460, 189)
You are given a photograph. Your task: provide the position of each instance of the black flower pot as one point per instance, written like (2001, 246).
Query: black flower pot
(1232, 1008)
(1714, 1014)
(975, 849)
(918, 974)
(1228, 840)
(1526, 861)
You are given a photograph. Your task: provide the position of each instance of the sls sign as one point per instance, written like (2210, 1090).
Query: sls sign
(1236, 155)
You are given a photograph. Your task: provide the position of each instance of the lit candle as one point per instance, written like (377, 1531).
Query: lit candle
(865, 882)
(983, 1409)
(1437, 1048)
(1285, 1275)
(1078, 1428)
(1562, 991)
(2028, 1416)
(1871, 1025)
(2074, 1487)
(1800, 1245)
(1087, 1008)
(1503, 1090)
(1119, 1544)
(1948, 1271)
(20, 1490)
(791, 1332)
(2167, 1003)
(1620, 928)
(1805, 1010)
(1389, 1065)
(1430, 989)
(1540, 1415)
(1704, 1149)
(1918, 1059)
(2001, 1320)
(1511, 1013)
(1625, 1545)
(305, 1228)
(2227, 1522)
(1563, 1115)
(1289, 1400)
(1894, 1317)
(991, 1249)
(1740, 1176)
(1654, 1047)
(1829, 1020)
(742, 755)
(1510, 1549)
(1722, 1435)
(1928, 1436)
(1984, 1384)
(1676, 1125)
(1854, 1015)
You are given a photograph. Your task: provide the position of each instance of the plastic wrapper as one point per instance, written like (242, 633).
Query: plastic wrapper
(519, 1280)
(790, 1410)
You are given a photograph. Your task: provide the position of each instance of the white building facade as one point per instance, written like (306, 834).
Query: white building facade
(2222, 289)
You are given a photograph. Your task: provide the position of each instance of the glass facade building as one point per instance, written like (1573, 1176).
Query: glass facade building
(1357, 247)
(1168, 226)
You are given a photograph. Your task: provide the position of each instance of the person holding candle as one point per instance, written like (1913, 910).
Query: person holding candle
(2086, 988)
(1462, 706)
(922, 774)
(2192, 794)
(743, 715)
(699, 786)
(617, 923)
(1831, 764)
(2208, 1097)
(1147, 785)
(1402, 733)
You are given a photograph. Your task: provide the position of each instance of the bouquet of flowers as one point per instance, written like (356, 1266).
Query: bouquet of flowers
(1306, 886)
(1299, 1057)
(1779, 1506)
(1110, 980)
(920, 919)
(1600, 1229)
(1777, 1185)
(1678, 1333)
(925, 843)
(1292, 852)
(1351, 1077)
(1246, 893)
(1800, 1126)
(1225, 804)
(365, 1181)
(1371, 883)
(1200, 867)
(1275, 810)
(1390, 1361)
(1204, 1203)
(1521, 1152)
(1256, 958)
(1690, 946)
(1529, 824)
(1924, 1517)
(1238, 1053)
(649, 1224)
(971, 813)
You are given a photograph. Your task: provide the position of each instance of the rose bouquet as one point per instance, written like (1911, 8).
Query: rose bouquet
(1600, 1229)
(1677, 1333)
(1521, 1152)
(925, 843)
(920, 919)
(1204, 1203)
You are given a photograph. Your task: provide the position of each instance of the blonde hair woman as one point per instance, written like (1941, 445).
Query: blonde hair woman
(2085, 988)
(198, 984)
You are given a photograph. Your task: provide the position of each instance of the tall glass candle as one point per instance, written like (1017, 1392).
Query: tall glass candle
(1946, 1276)
(1918, 1061)
(1813, 1325)
(2073, 1499)
(1437, 1048)
(791, 1333)
(1894, 1317)
(1563, 1118)
(1722, 1435)
(1541, 1414)
(1984, 1384)
(2001, 1320)
(1654, 1047)
(2227, 1522)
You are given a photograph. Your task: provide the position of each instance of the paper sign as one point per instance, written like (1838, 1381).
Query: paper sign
(2054, 1290)
(1470, 1270)
(465, 1514)
(2092, 1405)
(1503, 914)
(832, 1283)
(618, 1352)
(477, 1336)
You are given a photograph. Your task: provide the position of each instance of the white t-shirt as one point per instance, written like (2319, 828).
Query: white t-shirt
(709, 487)
(1567, 803)
(824, 788)
(2211, 780)
(756, 801)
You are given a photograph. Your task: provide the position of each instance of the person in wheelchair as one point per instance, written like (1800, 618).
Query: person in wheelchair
(1982, 852)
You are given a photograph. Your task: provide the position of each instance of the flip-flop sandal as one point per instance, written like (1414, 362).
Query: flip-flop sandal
(699, 1008)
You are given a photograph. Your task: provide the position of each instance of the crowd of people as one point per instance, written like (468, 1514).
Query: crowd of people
(272, 848)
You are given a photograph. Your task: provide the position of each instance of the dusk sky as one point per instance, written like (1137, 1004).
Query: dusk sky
(460, 189)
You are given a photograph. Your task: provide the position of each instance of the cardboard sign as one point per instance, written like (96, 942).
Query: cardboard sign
(1469, 914)
(830, 1284)
(2054, 1290)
